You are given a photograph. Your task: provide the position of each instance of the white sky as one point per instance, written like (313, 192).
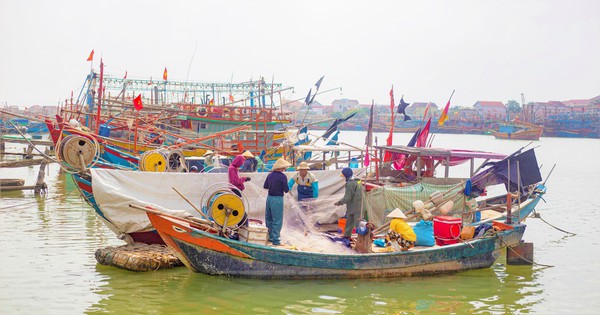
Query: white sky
(486, 50)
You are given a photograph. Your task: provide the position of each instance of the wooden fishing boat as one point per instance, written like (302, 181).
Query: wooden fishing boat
(520, 131)
(216, 255)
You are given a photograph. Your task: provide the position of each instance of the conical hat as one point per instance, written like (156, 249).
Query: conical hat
(397, 213)
(303, 166)
(208, 152)
(247, 154)
(281, 163)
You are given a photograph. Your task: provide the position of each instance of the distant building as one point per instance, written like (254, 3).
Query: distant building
(344, 105)
(418, 109)
(490, 110)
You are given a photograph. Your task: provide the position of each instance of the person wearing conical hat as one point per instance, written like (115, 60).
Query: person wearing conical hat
(209, 159)
(400, 232)
(250, 163)
(308, 185)
(277, 184)
(353, 199)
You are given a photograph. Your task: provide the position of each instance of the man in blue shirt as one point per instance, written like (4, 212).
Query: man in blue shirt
(276, 183)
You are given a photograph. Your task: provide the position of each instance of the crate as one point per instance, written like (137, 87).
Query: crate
(446, 230)
(255, 234)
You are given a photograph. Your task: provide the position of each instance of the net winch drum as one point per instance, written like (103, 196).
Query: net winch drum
(174, 161)
(77, 151)
(153, 161)
(226, 209)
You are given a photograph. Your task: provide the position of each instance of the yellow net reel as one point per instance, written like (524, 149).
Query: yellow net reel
(77, 151)
(226, 209)
(153, 161)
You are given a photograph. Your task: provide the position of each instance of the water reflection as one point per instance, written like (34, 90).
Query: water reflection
(499, 289)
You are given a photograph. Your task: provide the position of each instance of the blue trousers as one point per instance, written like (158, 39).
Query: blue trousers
(274, 217)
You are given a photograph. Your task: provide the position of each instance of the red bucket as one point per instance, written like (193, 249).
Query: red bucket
(446, 230)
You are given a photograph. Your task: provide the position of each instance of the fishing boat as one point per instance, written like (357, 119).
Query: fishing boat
(518, 131)
(212, 254)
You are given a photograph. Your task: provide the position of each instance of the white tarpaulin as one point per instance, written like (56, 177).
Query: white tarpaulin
(115, 190)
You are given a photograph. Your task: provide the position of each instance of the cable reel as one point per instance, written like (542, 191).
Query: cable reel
(224, 207)
(78, 152)
(175, 160)
(153, 161)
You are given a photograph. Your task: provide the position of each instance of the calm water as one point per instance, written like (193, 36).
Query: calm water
(47, 263)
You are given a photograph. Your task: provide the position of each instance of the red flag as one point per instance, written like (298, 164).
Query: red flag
(231, 99)
(91, 56)
(137, 102)
(125, 77)
(422, 139)
(426, 110)
(165, 74)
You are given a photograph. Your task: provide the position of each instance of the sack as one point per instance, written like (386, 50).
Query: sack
(424, 232)
(480, 230)
(467, 232)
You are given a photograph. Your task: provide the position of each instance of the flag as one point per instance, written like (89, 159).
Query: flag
(426, 110)
(388, 156)
(415, 137)
(318, 84)
(369, 137)
(137, 102)
(91, 56)
(307, 100)
(125, 77)
(444, 115)
(422, 140)
(334, 126)
(334, 139)
(165, 74)
(402, 108)
(302, 136)
(212, 101)
(231, 98)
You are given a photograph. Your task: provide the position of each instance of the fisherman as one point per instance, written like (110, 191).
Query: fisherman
(194, 169)
(234, 176)
(353, 199)
(276, 183)
(250, 163)
(308, 185)
(208, 158)
(400, 232)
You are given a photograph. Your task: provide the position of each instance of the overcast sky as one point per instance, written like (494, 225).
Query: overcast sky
(485, 50)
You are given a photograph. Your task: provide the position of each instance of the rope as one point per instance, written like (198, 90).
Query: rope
(537, 215)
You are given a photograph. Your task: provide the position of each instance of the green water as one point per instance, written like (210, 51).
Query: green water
(47, 264)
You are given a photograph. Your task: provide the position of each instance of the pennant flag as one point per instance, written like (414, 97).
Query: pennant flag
(165, 74)
(367, 158)
(402, 108)
(231, 98)
(426, 110)
(422, 140)
(388, 156)
(369, 137)
(415, 137)
(137, 102)
(302, 136)
(334, 139)
(318, 84)
(91, 56)
(334, 126)
(125, 77)
(307, 100)
(444, 115)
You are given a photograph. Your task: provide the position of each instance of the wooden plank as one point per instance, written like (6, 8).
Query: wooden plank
(21, 163)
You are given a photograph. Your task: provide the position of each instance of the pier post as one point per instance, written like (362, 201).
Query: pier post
(40, 186)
